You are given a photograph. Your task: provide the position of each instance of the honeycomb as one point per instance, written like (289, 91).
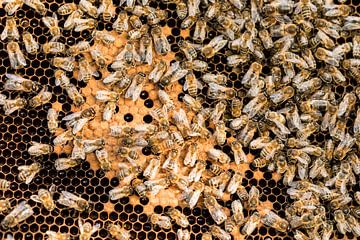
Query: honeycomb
(87, 180)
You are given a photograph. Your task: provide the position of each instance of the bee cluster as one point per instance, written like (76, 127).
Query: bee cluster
(265, 84)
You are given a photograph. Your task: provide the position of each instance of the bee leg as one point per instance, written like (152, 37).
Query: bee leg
(73, 213)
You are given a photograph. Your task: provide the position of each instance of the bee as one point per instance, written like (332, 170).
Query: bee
(18, 83)
(84, 24)
(106, 96)
(173, 74)
(289, 175)
(78, 120)
(237, 210)
(214, 46)
(41, 98)
(192, 103)
(67, 8)
(346, 105)
(53, 24)
(218, 155)
(181, 10)
(341, 222)
(99, 58)
(63, 138)
(239, 154)
(11, 105)
(65, 63)
(219, 92)
(200, 30)
(12, 6)
(70, 22)
(10, 31)
(229, 25)
(158, 71)
(109, 111)
(28, 172)
(247, 133)
(191, 84)
(160, 220)
(38, 149)
(251, 224)
(4, 184)
(183, 234)
(5, 205)
(71, 200)
(356, 46)
(271, 219)
(219, 233)
(86, 229)
(196, 173)
(16, 57)
(107, 9)
(165, 100)
(128, 56)
(19, 214)
(89, 8)
(93, 145)
(266, 39)
(74, 95)
(122, 22)
(51, 235)
(45, 197)
(171, 163)
(80, 47)
(188, 50)
(188, 22)
(54, 48)
(31, 45)
(136, 86)
(162, 46)
(103, 158)
(344, 146)
(37, 5)
(191, 155)
(284, 29)
(85, 71)
(145, 49)
(197, 189)
(215, 209)
(117, 232)
(253, 200)
(234, 183)
(333, 10)
(120, 192)
(327, 56)
(152, 168)
(238, 123)
(66, 163)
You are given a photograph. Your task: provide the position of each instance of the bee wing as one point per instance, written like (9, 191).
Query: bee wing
(70, 195)
(95, 228)
(179, 74)
(149, 55)
(137, 91)
(130, 91)
(72, 116)
(4, 33)
(20, 58)
(173, 67)
(79, 124)
(35, 198)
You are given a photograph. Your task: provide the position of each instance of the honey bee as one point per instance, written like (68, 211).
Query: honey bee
(200, 30)
(84, 24)
(198, 188)
(188, 22)
(117, 232)
(37, 5)
(344, 146)
(70, 22)
(181, 10)
(256, 106)
(54, 48)
(327, 56)
(271, 219)
(53, 24)
(85, 71)
(130, 155)
(66, 163)
(219, 233)
(65, 63)
(86, 229)
(11, 105)
(19, 214)
(12, 6)
(237, 209)
(171, 163)
(28, 172)
(251, 224)
(234, 183)
(93, 145)
(99, 58)
(107, 9)
(16, 57)
(346, 105)
(67, 8)
(145, 49)
(238, 123)
(229, 25)
(89, 8)
(165, 100)
(247, 133)
(215, 209)
(214, 46)
(10, 31)
(119, 79)
(128, 56)
(4, 184)
(253, 200)
(196, 173)
(219, 92)
(63, 138)
(70, 200)
(122, 22)
(74, 95)
(191, 155)
(218, 155)
(341, 222)
(160, 220)
(356, 46)
(188, 50)
(239, 154)
(183, 234)
(152, 168)
(45, 197)
(78, 120)
(161, 44)
(266, 39)
(80, 47)
(103, 158)
(18, 83)
(31, 45)
(38, 149)
(51, 235)
(284, 29)
(120, 192)
(158, 71)
(136, 86)
(333, 10)
(192, 103)
(41, 98)
(220, 79)
(5, 205)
